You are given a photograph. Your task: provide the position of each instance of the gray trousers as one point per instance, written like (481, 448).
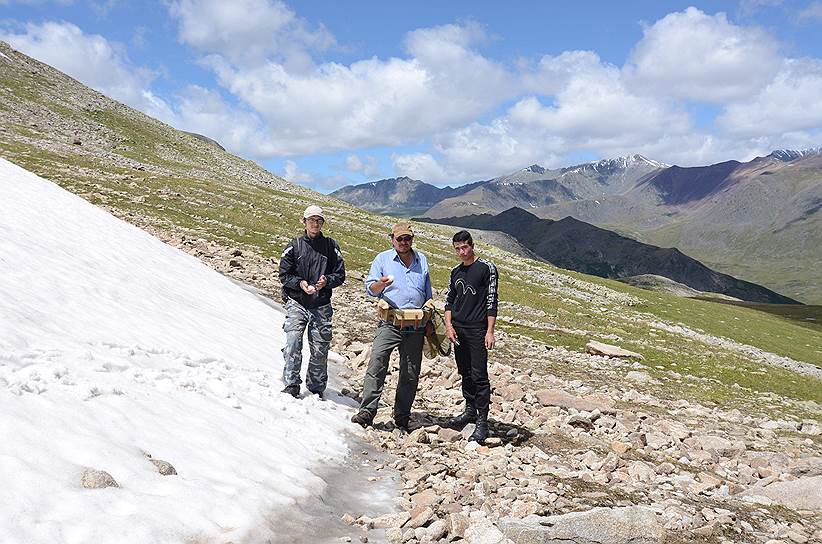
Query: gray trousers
(318, 321)
(388, 337)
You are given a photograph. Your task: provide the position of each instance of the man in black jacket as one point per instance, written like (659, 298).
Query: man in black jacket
(310, 267)
(470, 316)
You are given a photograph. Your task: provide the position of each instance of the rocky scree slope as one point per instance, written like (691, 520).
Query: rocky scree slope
(573, 433)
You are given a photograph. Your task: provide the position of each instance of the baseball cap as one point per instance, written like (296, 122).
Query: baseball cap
(401, 229)
(312, 211)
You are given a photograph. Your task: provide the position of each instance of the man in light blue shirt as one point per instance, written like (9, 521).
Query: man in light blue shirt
(400, 277)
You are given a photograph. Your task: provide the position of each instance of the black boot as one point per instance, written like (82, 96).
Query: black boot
(481, 431)
(293, 390)
(469, 415)
(402, 423)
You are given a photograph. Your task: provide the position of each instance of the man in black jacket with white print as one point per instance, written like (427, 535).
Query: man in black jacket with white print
(310, 267)
(470, 316)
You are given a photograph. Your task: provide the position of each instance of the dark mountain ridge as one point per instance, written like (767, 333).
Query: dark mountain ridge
(681, 185)
(398, 195)
(576, 245)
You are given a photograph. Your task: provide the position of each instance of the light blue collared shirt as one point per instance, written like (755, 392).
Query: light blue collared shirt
(412, 285)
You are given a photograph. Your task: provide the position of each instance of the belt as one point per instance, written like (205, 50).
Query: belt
(408, 328)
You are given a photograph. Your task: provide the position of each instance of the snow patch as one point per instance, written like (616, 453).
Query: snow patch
(114, 346)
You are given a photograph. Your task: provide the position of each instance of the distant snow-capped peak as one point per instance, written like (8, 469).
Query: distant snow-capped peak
(617, 163)
(793, 154)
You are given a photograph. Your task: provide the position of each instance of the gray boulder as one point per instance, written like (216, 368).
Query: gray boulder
(164, 467)
(97, 479)
(628, 525)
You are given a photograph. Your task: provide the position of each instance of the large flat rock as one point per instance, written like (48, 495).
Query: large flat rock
(801, 494)
(628, 525)
(599, 348)
(558, 397)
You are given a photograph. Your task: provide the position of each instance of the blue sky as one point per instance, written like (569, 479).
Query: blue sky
(332, 93)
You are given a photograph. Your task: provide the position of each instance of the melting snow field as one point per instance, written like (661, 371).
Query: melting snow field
(113, 346)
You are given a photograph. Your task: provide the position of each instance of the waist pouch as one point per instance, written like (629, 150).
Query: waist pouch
(411, 317)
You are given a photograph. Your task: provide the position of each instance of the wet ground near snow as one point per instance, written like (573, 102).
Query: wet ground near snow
(354, 486)
(317, 520)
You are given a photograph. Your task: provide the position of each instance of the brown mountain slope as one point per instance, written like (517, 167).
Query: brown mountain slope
(757, 221)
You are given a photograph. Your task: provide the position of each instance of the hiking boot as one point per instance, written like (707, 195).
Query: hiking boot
(481, 431)
(319, 394)
(364, 418)
(469, 415)
(293, 390)
(402, 423)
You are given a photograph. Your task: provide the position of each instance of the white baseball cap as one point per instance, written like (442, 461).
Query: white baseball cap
(312, 211)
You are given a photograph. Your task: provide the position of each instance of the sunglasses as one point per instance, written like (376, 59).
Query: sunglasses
(405, 238)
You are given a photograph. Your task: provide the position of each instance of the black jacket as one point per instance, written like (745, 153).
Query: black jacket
(472, 294)
(307, 259)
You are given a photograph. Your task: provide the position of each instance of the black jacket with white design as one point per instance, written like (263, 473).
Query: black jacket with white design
(472, 294)
(307, 259)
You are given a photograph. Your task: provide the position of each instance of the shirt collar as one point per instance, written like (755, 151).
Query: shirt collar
(413, 261)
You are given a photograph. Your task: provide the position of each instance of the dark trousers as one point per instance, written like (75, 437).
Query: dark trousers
(472, 364)
(387, 338)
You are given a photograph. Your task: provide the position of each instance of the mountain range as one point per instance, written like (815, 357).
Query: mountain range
(399, 196)
(756, 220)
(576, 245)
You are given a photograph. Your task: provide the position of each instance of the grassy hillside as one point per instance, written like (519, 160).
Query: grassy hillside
(779, 262)
(150, 174)
(742, 232)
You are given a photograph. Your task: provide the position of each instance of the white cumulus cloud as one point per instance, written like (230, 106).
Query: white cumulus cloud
(205, 111)
(789, 103)
(697, 56)
(368, 167)
(421, 166)
(591, 109)
(470, 116)
(443, 83)
(578, 103)
(249, 32)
